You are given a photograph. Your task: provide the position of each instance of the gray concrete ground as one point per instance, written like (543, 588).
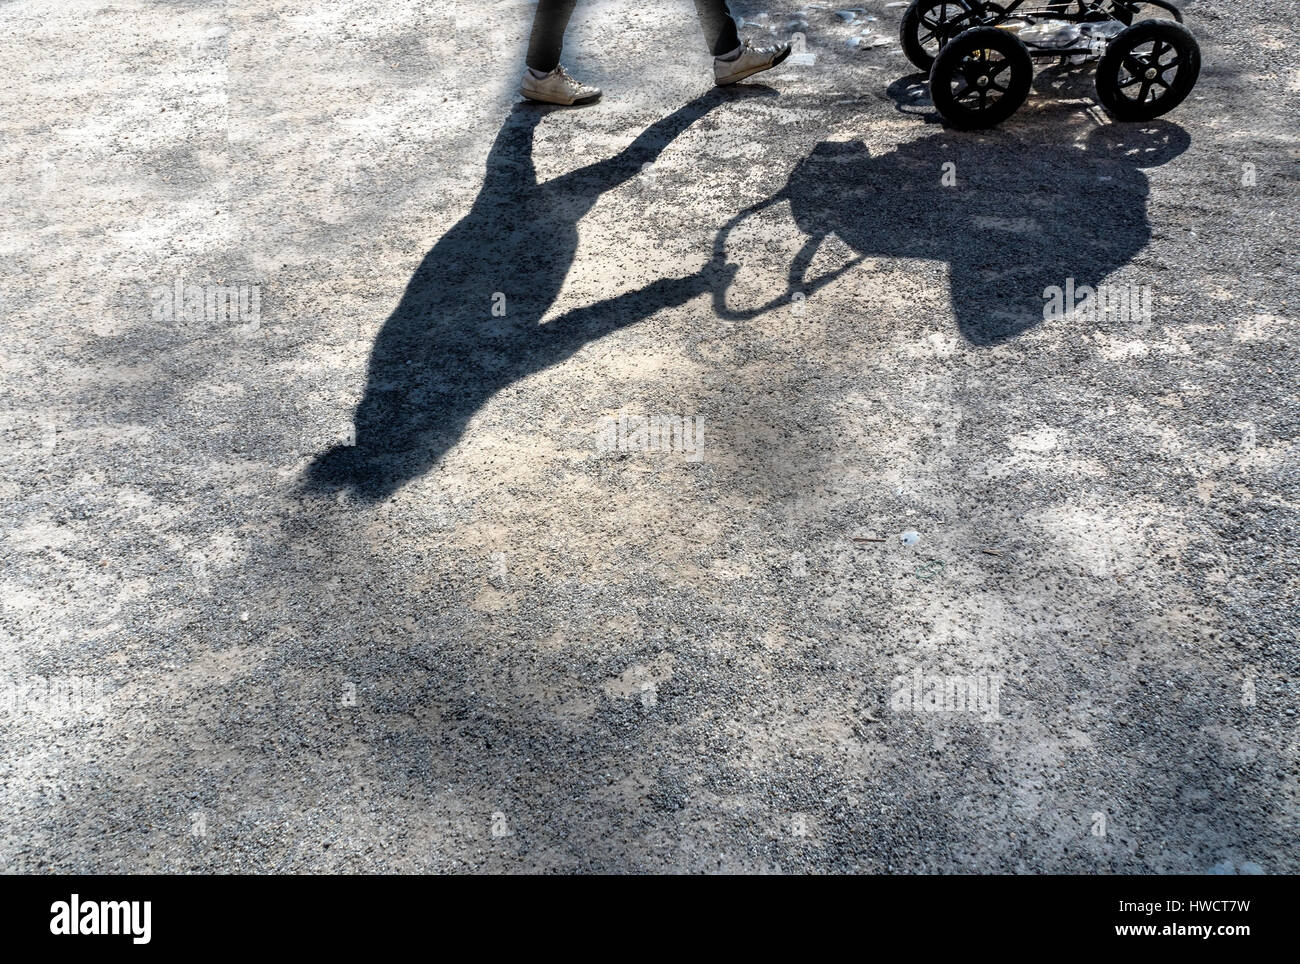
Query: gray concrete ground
(345, 582)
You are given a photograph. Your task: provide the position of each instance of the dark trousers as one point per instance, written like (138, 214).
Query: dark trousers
(553, 16)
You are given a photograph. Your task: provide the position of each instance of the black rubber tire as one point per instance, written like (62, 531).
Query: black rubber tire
(1113, 97)
(952, 63)
(909, 35)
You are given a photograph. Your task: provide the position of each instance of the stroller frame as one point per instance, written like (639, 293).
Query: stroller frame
(981, 71)
(986, 14)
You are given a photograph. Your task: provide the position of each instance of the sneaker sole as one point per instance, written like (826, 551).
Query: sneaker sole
(550, 99)
(756, 70)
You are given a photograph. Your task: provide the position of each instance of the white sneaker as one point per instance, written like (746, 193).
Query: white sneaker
(751, 60)
(557, 87)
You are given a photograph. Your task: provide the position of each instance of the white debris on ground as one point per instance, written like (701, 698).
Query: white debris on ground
(816, 24)
(860, 29)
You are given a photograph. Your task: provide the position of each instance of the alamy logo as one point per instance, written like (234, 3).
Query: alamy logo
(131, 917)
(208, 304)
(681, 434)
(57, 700)
(928, 693)
(1121, 303)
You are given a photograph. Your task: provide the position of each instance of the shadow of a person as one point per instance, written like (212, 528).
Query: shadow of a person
(444, 351)
(1011, 216)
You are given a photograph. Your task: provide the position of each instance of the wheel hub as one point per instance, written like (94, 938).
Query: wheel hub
(982, 81)
(1152, 73)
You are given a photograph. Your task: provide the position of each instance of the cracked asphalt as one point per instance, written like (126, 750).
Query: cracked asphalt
(343, 579)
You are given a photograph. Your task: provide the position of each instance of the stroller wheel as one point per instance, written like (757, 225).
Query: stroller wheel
(1148, 70)
(928, 25)
(981, 77)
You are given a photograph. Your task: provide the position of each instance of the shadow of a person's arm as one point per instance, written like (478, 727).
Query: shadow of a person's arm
(650, 143)
(567, 333)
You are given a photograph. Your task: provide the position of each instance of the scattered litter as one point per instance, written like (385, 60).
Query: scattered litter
(1104, 30)
(991, 552)
(800, 54)
(243, 617)
(866, 539)
(910, 538)
(869, 40)
(929, 570)
(1051, 33)
(855, 15)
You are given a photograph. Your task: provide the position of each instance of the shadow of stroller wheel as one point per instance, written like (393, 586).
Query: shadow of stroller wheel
(911, 96)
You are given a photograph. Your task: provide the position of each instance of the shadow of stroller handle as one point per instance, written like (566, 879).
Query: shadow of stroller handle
(797, 281)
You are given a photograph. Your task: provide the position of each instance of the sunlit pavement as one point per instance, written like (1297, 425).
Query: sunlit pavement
(690, 481)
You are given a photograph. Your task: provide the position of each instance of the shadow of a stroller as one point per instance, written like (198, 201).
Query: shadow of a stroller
(1018, 217)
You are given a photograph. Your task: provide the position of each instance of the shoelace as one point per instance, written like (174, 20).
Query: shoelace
(747, 47)
(573, 81)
